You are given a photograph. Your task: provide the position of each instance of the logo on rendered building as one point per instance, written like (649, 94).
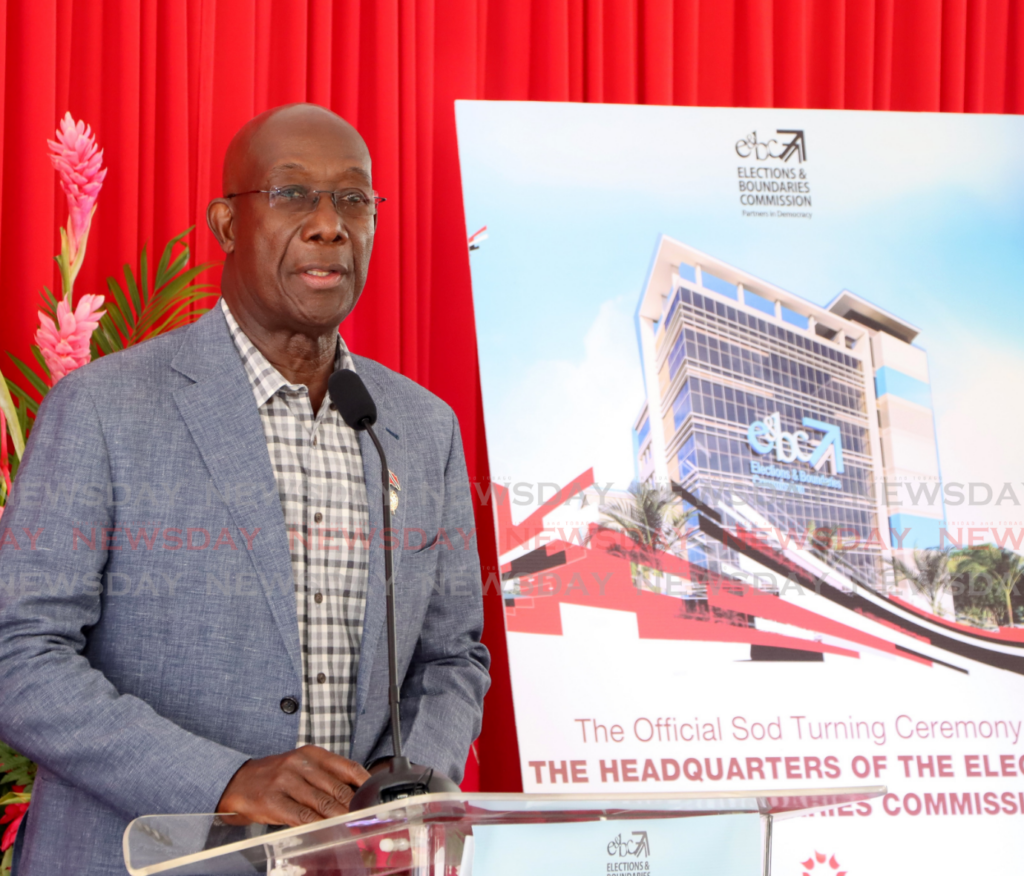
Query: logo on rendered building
(767, 435)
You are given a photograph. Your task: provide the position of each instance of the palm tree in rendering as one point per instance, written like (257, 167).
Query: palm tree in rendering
(930, 575)
(651, 519)
(1001, 568)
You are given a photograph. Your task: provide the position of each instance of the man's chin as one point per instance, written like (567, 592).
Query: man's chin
(324, 316)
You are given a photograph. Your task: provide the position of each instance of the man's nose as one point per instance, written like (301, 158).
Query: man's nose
(325, 222)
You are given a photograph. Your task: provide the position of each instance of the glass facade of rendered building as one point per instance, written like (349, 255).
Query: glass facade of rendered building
(744, 381)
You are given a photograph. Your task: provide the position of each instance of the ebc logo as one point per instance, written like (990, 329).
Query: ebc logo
(767, 435)
(751, 147)
(630, 848)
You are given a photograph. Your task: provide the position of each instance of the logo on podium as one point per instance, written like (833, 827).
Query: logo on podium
(637, 847)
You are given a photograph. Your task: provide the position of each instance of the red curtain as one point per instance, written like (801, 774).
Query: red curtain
(165, 83)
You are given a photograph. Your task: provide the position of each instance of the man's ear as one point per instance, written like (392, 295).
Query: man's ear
(221, 219)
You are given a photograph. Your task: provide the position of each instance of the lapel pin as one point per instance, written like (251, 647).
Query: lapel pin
(395, 487)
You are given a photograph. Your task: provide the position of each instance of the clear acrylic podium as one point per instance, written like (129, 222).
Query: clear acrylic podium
(443, 834)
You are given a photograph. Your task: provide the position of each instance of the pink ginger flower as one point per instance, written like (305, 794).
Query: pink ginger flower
(65, 346)
(81, 171)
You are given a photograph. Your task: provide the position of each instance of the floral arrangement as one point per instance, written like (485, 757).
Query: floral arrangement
(69, 336)
(18, 773)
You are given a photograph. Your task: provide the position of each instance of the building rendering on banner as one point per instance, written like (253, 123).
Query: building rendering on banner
(807, 412)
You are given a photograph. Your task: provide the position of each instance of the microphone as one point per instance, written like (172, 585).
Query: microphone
(400, 779)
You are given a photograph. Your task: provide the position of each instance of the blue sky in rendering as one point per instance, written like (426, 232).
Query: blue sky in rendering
(922, 214)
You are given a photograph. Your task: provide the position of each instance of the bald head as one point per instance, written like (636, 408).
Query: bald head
(296, 223)
(272, 137)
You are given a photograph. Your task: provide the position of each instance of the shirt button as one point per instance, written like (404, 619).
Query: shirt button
(314, 440)
(318, 598)
(318, 517)
(289, 705)
(321, 678)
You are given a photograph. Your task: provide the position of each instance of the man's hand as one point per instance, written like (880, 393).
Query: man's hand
(293, 788)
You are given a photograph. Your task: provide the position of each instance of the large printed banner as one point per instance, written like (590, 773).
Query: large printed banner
(751, 384)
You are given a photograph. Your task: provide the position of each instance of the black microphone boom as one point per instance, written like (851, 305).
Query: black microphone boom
(353, 401)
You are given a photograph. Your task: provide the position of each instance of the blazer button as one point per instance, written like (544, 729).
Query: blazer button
(289, 705)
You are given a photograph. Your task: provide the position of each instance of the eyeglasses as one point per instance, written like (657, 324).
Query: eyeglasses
(351, 203)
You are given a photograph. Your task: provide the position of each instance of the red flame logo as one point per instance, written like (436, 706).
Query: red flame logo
(818, 858)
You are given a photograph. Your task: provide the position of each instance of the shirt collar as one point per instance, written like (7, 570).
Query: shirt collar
(264, 378)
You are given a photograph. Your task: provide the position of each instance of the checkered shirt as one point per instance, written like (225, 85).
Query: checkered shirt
(319, 472)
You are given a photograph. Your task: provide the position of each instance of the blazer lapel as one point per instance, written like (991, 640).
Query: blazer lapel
(221, 413)
(388, 429)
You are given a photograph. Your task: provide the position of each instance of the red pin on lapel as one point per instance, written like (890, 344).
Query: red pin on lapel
(395, 487)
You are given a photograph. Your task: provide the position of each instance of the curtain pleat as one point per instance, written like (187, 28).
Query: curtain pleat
(165, 84)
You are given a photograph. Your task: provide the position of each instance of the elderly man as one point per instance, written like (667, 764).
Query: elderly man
(201, 624)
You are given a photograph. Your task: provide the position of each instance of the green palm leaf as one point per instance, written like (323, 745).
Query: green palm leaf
(146, 306)
(49, 304)
(12, 417)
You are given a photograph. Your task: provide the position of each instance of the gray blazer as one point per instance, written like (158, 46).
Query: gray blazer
(148, 635)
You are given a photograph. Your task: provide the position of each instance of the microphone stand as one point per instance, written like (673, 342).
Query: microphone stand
(400, 778)
(394, 694)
